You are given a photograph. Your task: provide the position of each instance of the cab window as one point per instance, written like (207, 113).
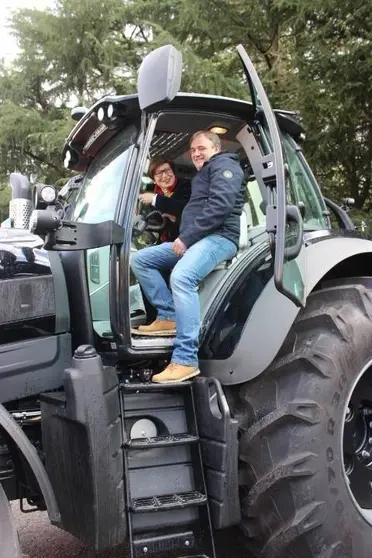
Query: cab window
(97, 198)
(303, 188)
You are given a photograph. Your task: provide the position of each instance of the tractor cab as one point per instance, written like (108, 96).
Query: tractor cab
(112, 145)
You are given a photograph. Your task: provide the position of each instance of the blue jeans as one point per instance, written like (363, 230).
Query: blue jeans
(182, 304)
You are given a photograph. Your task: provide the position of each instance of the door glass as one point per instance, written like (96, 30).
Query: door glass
(96, 202)
(255, 205)
(304, 189)
(289, 270)
(283, 222)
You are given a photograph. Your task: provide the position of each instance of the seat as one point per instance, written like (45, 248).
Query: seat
(245, 222)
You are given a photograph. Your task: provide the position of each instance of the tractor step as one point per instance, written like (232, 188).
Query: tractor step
(164, 472)
(168, 502)
(135, 387)
(161, 441)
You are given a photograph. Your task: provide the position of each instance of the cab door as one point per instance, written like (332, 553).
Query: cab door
(283, 221)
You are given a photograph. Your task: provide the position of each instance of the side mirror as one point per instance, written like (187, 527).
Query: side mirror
(347, 204)
(159, 77)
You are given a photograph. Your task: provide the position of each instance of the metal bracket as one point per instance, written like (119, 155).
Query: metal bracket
(84, 236)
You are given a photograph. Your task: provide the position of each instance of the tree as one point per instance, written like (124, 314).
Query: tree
(71, 55)
(312, 58)
(333, 57)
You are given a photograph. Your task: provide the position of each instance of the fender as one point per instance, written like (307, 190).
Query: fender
(273, 314)
(30, 454)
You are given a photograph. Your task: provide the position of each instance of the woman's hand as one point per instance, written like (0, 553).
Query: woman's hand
(170, 217)
(147, 198)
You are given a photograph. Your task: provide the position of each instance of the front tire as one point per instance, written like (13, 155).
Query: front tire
(9, 542)
(297, 498)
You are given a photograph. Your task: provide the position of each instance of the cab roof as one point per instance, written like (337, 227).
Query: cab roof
(90, 135)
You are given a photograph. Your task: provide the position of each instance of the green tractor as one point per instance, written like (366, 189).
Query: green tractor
(275, 436)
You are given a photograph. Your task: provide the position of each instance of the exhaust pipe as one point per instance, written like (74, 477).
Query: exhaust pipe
(20, 206)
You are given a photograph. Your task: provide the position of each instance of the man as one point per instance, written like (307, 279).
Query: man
(209, 234)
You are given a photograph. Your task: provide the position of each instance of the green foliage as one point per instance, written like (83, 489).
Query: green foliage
(312, 57)
(334, 59)
(4, 202)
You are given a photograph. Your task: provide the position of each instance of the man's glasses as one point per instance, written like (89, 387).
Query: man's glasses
(167, 171)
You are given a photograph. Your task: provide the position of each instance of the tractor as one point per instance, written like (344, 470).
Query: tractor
(275, 435)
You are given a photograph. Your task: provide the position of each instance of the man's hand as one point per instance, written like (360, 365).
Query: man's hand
(178, 247)
(147, 198)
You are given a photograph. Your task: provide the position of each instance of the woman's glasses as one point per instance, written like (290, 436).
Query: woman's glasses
(168, 171)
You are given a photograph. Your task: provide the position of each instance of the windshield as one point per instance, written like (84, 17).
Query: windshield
(98, 196)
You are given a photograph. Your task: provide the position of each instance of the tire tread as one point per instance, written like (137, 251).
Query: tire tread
(332, 318)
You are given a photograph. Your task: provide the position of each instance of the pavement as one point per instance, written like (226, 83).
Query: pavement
(39, 539)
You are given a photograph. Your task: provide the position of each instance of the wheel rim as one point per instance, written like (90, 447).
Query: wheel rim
(357, 443)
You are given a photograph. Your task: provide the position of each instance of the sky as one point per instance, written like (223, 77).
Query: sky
(8, 47)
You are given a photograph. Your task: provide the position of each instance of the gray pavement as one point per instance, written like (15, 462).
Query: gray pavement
(39, 539)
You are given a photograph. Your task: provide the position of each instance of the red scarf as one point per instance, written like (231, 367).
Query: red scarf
(170, 190)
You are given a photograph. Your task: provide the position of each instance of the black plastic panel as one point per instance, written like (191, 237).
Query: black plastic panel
(62, 309)
(219, 441)
(82, 442)
(24, 298)
(74, 268)
(29, 367)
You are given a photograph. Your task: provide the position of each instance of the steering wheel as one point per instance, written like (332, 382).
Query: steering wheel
(153, 222)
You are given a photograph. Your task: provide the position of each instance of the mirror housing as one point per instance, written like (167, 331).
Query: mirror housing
(347, 204)
(159, 77)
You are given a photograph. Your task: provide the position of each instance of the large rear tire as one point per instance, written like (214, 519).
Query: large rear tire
(9, 543)
(299, 498)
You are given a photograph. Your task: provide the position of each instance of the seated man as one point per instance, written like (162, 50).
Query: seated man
(170, 196)
(209, 234)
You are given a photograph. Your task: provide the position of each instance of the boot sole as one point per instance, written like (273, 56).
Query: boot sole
(191, 375)
(166, 333)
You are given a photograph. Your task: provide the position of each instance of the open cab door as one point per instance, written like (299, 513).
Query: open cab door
(284, 222)
(158, 82)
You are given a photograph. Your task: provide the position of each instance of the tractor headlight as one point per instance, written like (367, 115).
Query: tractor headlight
(44, 195)
(101, 114)
(110, 111)
(67, 159)
(48, 194)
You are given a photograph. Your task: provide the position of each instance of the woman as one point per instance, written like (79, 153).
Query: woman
(169, 197)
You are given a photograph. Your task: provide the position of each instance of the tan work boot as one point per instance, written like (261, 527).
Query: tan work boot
(175, 373)
(158, 328)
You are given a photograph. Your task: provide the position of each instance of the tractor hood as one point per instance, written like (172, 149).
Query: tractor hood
(21, 253)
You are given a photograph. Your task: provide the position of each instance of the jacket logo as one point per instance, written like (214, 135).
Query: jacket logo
(227, 174)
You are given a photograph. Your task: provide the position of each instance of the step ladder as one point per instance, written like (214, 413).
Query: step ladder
(166, 498)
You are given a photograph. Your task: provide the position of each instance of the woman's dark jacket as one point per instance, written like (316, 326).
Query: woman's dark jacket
(174, 205)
